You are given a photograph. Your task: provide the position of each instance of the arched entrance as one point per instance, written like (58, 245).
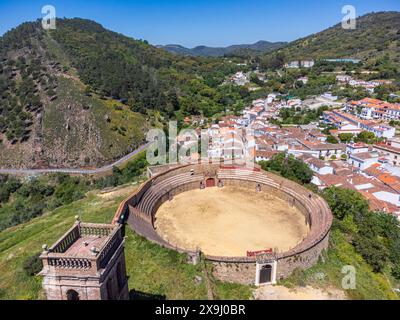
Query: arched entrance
(210, 182)
(72, 295)
(266, 273)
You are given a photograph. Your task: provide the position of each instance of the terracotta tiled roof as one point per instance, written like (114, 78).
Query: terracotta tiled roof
(374, 170)
(266, 154)
(378, 205)
(364, 155)
(387, 147)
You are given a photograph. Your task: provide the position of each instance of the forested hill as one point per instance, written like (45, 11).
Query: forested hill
(376, 35)
(81, 95)
(258, 47)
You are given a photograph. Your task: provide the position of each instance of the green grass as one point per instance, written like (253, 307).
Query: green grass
(327, 273)
(151, 269)
(232, 291)
(158, 272)
(18, 243)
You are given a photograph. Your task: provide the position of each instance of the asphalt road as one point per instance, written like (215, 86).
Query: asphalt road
(75, 170)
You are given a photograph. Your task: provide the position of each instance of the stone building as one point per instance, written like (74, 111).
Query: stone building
(87, 263)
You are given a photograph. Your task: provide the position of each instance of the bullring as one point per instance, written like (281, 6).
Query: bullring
(140, 211)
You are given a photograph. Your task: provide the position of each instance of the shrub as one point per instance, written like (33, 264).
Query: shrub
(373, 252)
(289, 167)
(33, 265)
(331, 139)
(396, 271)
(345, 202)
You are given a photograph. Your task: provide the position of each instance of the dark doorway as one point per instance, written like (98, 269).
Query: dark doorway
(266, 274)
(110, 295)
(210, 183)
(72, 295)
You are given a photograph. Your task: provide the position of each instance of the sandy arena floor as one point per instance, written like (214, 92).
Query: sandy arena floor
(230, 221)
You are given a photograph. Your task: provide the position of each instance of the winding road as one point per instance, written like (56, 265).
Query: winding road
(77, 170)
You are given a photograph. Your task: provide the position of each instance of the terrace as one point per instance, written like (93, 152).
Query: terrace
(85, 247)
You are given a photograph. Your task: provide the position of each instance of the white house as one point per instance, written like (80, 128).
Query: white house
(354, 148)
(391, 150)
(363, 160)
(319, 166)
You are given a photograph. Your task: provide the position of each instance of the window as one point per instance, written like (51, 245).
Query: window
(72, 295)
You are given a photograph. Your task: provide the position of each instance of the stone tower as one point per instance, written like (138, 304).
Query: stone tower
(87, 263)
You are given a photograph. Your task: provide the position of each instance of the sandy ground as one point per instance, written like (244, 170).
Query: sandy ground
(230, 221)
(299, 293)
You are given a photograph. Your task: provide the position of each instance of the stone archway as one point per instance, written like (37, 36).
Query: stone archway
(72, 295)
(266, 273)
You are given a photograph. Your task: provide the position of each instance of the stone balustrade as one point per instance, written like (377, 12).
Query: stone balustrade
(59, 257)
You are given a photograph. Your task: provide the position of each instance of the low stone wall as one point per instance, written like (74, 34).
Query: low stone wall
(303, 260)
(235, 272)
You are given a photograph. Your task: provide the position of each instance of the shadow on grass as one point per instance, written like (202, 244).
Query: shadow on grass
(137, 295)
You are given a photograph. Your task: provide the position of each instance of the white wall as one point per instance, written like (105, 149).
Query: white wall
(392, 198)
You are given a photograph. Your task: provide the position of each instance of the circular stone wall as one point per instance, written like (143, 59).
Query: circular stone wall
(303, 218)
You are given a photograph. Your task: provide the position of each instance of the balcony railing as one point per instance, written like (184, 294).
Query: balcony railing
(57, 256)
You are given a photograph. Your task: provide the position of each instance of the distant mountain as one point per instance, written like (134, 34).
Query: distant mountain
(204, 51)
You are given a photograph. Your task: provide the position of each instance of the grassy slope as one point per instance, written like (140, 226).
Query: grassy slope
(327, 273)
(160, 272)
(164, 273)
(151, 269)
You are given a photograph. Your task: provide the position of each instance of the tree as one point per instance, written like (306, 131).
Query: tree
(33, 265)
(374, 253)
(396, 271)
(331, 139)
(366, 137)
(344, 202)
(289, 167)
(345, 137)
(273, 62)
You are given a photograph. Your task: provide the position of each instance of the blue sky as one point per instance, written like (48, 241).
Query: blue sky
(199, 22)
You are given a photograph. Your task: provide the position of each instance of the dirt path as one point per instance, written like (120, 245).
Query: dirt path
(117, 192)
(230, 221)
(298, 293)
(104, 169)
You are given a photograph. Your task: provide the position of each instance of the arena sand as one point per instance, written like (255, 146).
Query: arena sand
(230, 221)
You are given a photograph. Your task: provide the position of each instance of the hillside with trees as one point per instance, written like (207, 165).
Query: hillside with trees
(376, 40)
(81, 95)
